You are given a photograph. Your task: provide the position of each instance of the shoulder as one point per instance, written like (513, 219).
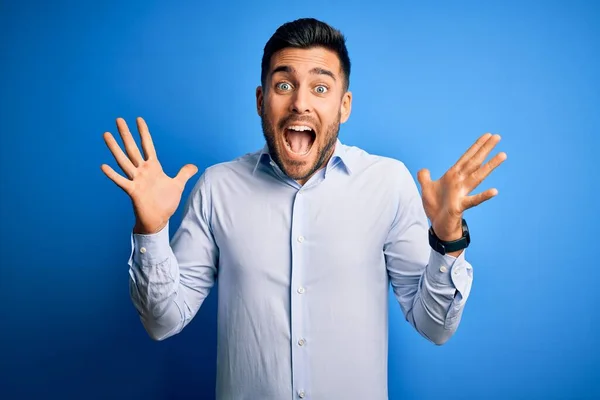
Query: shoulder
(370, 164)
(238, 168)
(224, 174)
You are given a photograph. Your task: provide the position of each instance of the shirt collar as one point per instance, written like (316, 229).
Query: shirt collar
(340, 156)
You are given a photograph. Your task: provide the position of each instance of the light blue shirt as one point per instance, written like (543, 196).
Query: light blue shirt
(303, 274)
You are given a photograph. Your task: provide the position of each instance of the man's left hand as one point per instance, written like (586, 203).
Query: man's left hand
(447, 198)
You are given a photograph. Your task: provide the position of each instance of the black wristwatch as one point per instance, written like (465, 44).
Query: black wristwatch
(443, 247)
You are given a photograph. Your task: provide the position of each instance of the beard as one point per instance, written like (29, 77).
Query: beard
(323, 153)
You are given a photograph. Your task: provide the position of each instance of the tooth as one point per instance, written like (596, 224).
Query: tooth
(300, 128)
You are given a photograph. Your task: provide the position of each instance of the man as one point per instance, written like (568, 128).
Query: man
(304, 236)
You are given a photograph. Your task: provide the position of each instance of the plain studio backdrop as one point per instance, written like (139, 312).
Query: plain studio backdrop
(427, 78)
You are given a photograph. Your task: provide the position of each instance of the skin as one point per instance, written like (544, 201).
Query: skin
(303, 87)
(307, 87)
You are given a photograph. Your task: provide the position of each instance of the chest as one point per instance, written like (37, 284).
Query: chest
(325, 233)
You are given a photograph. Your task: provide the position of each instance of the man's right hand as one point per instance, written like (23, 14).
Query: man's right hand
(155, 196)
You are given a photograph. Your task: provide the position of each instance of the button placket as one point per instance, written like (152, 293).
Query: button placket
(300, 378)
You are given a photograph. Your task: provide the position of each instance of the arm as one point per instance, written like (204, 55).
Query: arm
(170, 281)
(432, 289)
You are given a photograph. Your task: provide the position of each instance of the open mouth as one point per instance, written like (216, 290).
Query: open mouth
(299, 139)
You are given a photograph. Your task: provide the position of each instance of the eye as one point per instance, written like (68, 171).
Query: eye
(284, 86)
(321, 89)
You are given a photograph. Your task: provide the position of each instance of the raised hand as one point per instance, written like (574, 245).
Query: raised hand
(155, 195)
(447, 198)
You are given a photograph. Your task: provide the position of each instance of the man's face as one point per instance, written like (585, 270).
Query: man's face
(301, 108)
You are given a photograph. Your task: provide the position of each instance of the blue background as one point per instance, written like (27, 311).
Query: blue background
(427, 78)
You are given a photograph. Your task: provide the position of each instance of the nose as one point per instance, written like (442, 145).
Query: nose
(300, 103)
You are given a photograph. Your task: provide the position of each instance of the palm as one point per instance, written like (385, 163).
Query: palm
(155, 196)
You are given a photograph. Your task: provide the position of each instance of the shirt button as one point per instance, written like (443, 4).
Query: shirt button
(301, 394)
(301, 342)
(456, 271)
(300, 290)
(301, 239)
(443, 269)
(143, 250)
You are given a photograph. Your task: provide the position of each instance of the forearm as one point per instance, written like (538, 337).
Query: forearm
(441, 296)
(155, 287)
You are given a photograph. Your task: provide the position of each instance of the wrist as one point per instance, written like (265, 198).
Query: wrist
(448, 243)
(139, 229)
(448, 232)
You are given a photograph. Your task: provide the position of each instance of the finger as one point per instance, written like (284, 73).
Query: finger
(130, 146)
(424, 177)
(480, 174)
(473, 149)
(119, 180)
(120, 157)
(477, 199)
(147, 144)
(185, 173)
(475, 162)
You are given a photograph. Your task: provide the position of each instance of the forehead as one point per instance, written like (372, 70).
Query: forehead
(302, 61)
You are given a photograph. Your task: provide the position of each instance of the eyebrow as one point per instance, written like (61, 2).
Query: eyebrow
(315, 71)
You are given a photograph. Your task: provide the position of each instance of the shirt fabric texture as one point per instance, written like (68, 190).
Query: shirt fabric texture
(303, 274)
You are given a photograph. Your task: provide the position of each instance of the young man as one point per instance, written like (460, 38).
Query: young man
(304, 235)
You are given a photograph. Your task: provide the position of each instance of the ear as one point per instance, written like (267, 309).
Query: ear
(346, 107)
(259, 100)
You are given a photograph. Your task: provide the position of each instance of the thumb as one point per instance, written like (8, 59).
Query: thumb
(424, 177)
(185, 173)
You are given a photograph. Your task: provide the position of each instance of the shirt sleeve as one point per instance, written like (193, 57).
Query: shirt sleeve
(432, 288)
(169, 280)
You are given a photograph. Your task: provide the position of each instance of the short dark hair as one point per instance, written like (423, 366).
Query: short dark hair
(305, 33)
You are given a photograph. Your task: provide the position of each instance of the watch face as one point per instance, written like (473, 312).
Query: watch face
(466, 233)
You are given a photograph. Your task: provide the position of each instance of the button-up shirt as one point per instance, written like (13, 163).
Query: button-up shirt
(303, 274)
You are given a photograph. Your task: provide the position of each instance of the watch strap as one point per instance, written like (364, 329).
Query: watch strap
(444, 247)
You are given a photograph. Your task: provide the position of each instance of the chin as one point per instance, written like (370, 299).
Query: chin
(299, 165)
